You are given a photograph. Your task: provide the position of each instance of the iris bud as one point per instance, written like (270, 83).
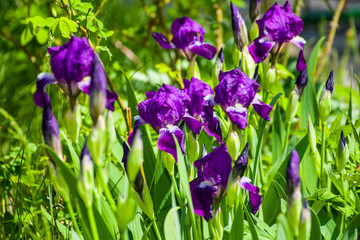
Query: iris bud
(238, 27)
(231, 194)
(193, 70)
(192, 146)
(233, 144)
(314, 152)
(125, 212)
(97, 89)
(342, 153)
(305, 222)
(168, 161)
(85, 184)
(73, 122)
(236, 55)
(97, 139)
(247, 63)
(292, 106)
(325, 102)
(135, 157)
(59, 182)
(110, 132)
(301, 82)
(217, 67)
(270, 78)
(254, 9)
(241, 164)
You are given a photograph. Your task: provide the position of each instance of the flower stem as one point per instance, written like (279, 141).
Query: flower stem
(72, 215)
(286, 142)
(177, 193)
(92, 223)
(322, 153)
(156, 229)
(106, 190)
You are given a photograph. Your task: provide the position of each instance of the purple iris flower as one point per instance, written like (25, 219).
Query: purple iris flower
(292, 172)
(235, 92)
(50, 127)
(70, 64)
(301, 62)
(211, 184)
(163, 110)
(199, 112)
(188, 37)
(278, 26)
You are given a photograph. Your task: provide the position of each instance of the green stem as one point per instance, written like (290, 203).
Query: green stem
(72, 215)
(343, 187)
(156, 229)
(92, 223)
(286, 142)
(123, 234)
(322, 152)
(177, 193)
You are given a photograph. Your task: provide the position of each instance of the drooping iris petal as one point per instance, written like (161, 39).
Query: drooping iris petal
(202, 194)
(262, 109)
(278, 25)
(188, 36)
(254, 196)
(71, 61)
(162, 40)
(166, 140)
(237, 115)
(194, 124)
(43, 79)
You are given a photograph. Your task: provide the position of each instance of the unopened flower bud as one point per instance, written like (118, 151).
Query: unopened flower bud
(126, 210)
(192, 146)
(301, 82)
(110, 132)
(136, 158)
(241, 163)
(247, 63)
(96, 140)
(168, 161)
(330, 82)
(269, 78)
(254, 9)
(294, 193)
(232, 193)
(73, 122)
(233, 144)
(217, 67)
(193, 70)
(305, 222)
(292, 106)
(325, 101)
(86, 177)
(238, 27)
(314, 152)
(342, 153)
(59, 182)
(97, 89)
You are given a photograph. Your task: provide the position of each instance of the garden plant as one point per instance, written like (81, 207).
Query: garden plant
(178, 120)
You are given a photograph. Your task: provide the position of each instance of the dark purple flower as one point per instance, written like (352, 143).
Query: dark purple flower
(199, 112)
(163, 110)
(301, 62)
(301, 82)
(235, 92)
(211, 184)
(254, 9)
(293, 178)
(278, 26)
(70, 64)
(241, 163)
(330, 82)
(188, 37)
(50, 127)
(238, 27)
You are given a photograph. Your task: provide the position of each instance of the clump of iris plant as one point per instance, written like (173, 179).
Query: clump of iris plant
(277, 28)
(214, 170)
(235, 93)
(188, 37)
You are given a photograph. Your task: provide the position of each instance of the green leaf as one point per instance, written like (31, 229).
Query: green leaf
(315, 226)
(352, 126)
(237, 228)
(42, 36)
(73, 154)
(278, 135)
(63, 230)
(309, 104)
(284, 230)
(38, 21)
(350, 232)
(26, 36)
(250, 221)
(65, 28)
(171, 223)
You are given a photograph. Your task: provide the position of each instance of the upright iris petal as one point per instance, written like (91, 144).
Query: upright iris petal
(163, 110)
(188, 37)
(278, 26)
(235, 92)
(71, 65)
(199, 113)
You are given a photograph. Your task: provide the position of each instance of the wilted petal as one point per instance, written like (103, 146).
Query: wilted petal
(43, 79)
(202, 194)
(261, 108)
(260, 48)
(166, 140)
(204, 50)
(237, 115)
(162, 40)
(254, 196)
